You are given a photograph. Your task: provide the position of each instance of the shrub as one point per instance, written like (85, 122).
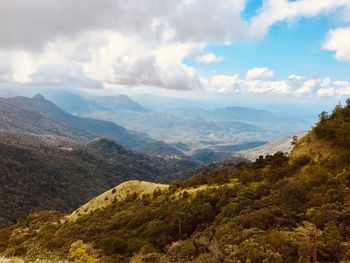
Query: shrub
(113, 245)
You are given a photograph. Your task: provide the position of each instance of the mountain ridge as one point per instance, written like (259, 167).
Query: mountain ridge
(44, 111)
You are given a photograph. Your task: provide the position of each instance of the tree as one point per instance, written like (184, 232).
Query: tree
(81, 253)
(310, 232)
(294, 140)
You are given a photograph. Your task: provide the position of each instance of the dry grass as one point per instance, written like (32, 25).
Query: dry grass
(19, 260)
(119, 192)
(318, 150)
(192, 191)
(11, 260)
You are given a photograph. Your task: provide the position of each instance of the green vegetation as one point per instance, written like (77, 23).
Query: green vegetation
(276, 209)
(36, 178)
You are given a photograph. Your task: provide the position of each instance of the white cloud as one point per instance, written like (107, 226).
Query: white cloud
(326, 92)
(338, 41)
(98, 59)
(117, 43)
(94, 43)
(31, 24)
(274, 11)
(292, 86)
(294, 77)
(259, 73)
(344, 91)
(236, 84)
(307, 87)
(224, 84)
(209, 58)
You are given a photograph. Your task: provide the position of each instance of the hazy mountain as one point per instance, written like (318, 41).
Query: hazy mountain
(221, 129)
(72, 102)
(266, 120)
(85, 104)
(41, 116)
(226, 114)
(240, 147)
(283, 145)
(78, 103)
(197, 127)
(209, 155)
(120, 102)
(164, 104)
(196, 132)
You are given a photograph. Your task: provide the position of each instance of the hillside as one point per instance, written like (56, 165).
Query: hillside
(276, 209)
(283, 145)
(40, 116)
(120, 193)
(34, 178)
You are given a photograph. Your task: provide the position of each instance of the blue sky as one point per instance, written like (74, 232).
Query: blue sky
(288, 48)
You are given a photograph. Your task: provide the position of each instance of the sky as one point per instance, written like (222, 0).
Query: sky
(260, 49)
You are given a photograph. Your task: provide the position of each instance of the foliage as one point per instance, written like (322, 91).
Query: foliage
(36, 178)
(80, 252)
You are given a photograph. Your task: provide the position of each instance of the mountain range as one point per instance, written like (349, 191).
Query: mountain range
(193, 127)
(40, 116)
(278, 208)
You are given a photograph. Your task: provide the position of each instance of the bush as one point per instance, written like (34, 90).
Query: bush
(113, 245)
(81, 253)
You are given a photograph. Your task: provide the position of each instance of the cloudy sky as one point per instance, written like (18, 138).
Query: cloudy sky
(267, 48)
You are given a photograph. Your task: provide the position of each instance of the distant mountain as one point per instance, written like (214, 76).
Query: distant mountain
(271, 126)
(208, 155)
(281, 145)
(195, 132)
(240, 147)
(38, 115)
(72, 102)
(226, 114)
(120, 102)
(197, 128)
(80, 104)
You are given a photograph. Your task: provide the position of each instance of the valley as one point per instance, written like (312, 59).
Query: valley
(222, 130)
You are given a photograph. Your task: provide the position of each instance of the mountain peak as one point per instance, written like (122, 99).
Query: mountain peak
(107, 147)
(38, 97)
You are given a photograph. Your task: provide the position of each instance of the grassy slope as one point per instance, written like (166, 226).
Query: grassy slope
(119, 193)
